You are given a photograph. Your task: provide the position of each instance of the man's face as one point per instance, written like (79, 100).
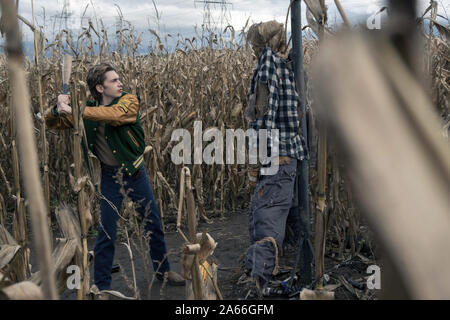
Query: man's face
(112, 86)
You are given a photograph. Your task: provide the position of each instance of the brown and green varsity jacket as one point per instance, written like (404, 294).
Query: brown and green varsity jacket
(123, 129)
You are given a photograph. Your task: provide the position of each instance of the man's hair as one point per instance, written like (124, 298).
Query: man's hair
(96, 75)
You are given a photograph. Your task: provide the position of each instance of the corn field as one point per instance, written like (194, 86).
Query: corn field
(205, 79)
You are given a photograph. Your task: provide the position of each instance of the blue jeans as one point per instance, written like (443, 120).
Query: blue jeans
(142, 195)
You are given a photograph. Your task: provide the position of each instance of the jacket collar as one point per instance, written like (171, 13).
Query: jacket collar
(94, 103)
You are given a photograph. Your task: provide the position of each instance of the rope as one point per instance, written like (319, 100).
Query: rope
(274, 243)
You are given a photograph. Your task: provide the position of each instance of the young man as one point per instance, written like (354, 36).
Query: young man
(115, 135)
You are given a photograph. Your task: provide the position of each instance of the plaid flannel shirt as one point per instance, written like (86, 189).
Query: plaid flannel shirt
(282, 108)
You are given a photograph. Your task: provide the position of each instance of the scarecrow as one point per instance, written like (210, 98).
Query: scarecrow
(272, 108)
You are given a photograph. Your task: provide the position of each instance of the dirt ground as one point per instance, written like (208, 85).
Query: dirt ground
(231, 234)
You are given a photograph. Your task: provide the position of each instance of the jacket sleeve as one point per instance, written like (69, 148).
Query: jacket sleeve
(124, 112)
(53, 121)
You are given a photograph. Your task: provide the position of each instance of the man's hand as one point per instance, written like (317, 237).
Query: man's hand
(63, 106)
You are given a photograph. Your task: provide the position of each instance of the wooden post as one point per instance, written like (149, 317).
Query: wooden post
(305, 252)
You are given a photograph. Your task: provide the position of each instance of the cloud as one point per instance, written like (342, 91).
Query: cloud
(178, 16)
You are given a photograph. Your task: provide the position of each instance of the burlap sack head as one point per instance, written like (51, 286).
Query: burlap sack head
(267, 34)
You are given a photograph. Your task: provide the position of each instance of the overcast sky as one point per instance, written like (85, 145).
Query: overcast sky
(178, 16)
